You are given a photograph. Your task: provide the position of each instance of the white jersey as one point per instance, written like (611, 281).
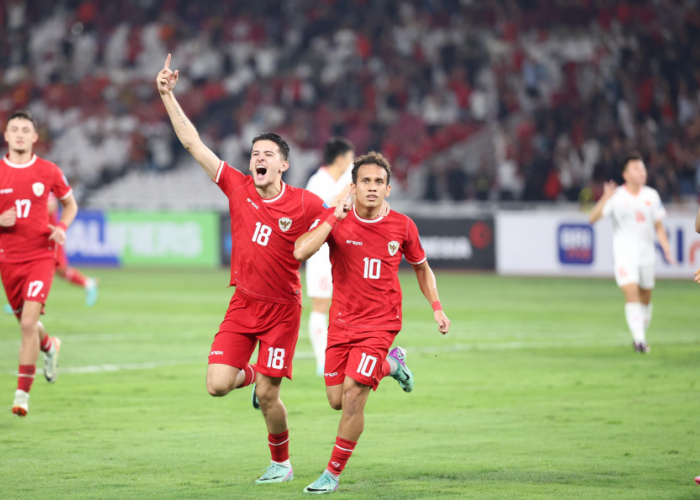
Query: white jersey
(634, 217)
(318, 267)
(323, 185)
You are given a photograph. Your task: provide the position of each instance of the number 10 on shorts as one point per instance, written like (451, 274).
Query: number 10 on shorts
(275, 358)
(367, 364)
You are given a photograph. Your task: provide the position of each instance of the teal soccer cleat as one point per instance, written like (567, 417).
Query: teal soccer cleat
(276, 473)
(254, 399)
(402, 375)
(90, 292)
(327, 483)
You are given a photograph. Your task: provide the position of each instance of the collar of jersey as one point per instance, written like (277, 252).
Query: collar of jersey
(20, 165)
(631, 193)
(367, 221)
(272, 200)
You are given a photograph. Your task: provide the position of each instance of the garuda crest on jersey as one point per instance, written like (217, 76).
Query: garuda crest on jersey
(285, 223)
(38, 188)
(393, 247)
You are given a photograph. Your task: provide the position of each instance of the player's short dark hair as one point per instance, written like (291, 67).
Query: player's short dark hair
(24, 114)
(631, 156)
(335, 147)
(281, 143)
(371, 158)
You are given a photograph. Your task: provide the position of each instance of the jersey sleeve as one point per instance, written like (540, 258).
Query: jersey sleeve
(315, 210)
(59, 184)
(657, 208)
(412, 248)
(228, 178)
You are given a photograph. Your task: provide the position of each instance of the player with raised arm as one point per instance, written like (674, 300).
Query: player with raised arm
(267, 217)
(365, 250)
(637, 214)
(27, 245)
(328, 183)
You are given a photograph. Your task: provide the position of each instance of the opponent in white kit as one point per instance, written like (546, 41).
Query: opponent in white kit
(637, 214)
(328, 183)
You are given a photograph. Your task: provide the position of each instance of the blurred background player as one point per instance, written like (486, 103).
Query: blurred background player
(365, 249)
(267, 217)
(64, 270)
(637, 214)
(328, 183)
(27, 245)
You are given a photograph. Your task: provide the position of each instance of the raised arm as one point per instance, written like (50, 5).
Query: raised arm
(184, 129)
(608, 192)
(311, 242)
(428, 285)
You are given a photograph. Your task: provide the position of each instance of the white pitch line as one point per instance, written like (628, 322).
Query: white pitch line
(573, 344)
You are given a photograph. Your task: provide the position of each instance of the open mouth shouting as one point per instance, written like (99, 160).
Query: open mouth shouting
(260, 172)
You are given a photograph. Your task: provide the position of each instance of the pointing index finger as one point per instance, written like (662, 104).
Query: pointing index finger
(167, 63)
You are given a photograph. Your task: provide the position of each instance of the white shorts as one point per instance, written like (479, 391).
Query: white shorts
(319, 281)
(627, 273)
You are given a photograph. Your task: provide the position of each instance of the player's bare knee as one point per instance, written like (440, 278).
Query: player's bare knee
(336, 404)
(266, 398)
(217, 389)
(28, 326)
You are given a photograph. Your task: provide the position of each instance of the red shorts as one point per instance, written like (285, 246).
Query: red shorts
(356, 354)
(61, 257)
(249, 322)
(27, 281)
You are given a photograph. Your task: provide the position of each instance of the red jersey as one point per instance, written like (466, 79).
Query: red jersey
(27, 187)
(366, 254)
(264, 232)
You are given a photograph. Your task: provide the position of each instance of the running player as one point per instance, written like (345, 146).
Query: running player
(328, 183)
(267, 216)
(637, 214)
(27, 245)
(365, 250)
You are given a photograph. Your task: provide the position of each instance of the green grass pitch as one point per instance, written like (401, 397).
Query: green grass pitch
(535, 393)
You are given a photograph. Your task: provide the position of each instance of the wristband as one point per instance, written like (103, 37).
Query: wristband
(437, 306)
(332, 220)
(62, 226)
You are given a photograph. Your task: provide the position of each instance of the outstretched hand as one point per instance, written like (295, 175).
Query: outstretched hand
(343, 207)
(166, 78)
(609, 189)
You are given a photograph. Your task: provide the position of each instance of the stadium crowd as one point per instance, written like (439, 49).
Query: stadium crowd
(570, 85)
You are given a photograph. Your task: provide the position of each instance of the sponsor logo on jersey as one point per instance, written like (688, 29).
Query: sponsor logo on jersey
(331, 374)
(6, 191)
(285, 223)
(325, 205)
(575, 244)
(216, 353)
(38, 188)
(252, 203)
(356, 243)
(393, 247)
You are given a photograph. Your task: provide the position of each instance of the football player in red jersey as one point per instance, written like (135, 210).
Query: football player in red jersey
(267, 217)
(27, 245)
(365, 316)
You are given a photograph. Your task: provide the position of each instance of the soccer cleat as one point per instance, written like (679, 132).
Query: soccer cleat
(51, 360)
(402, 375)
(90, 292)
(327, 483)
(20, 406)
(254, 399)
(319, 371)
(697, 480)
(642, 347)
(276, 473)
(7, 309)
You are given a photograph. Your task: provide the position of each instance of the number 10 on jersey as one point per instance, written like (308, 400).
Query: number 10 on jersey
(373, 268)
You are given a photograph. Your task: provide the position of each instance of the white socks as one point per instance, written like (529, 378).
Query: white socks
(318, 334)
(647, 315)
(393, 365)
(634, 312)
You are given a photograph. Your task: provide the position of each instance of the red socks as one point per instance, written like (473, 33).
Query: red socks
(26, 377)
(342, 451)
(45, 344)
(249, 372)
(279, 446)
(75, 276)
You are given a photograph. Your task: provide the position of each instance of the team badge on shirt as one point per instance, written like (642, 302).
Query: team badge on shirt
(393, 247)
(38, 188)
(285, 223)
